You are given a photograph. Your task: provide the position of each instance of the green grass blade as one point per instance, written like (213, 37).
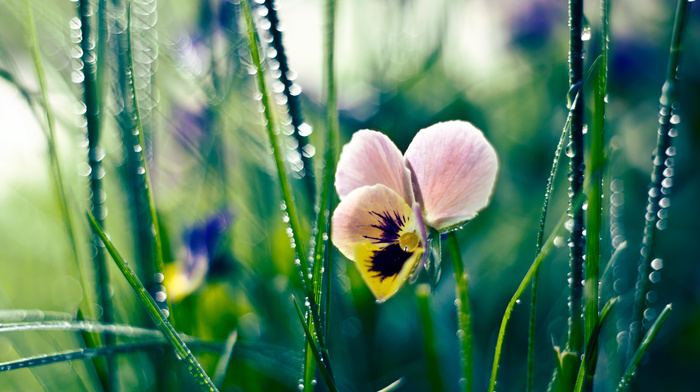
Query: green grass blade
(90, 353)
(546, 249)
(643, 346)
(154, 312)
(293, 99)
(587, 368)
(540, 239)
(272, 131)
(225, 358)
(463, 313)
(431, 353)
(323, 365)
(595, 207)
(157, 244)
(657, 189)
(323, 229)
(575, 333)
(85, 283)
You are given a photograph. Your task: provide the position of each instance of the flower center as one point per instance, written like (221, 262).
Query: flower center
(408, 242)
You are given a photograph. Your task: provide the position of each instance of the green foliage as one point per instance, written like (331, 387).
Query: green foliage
(189, 130)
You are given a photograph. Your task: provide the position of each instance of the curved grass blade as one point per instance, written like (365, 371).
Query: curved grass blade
(155, 313)
(540, 239)
(323, 363)
(637, 356)
(660, 185)
(585, 371)
(225, 358)
(90, 353)
(544, 252)
(573, 99)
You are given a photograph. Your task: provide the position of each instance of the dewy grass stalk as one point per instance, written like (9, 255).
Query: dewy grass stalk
(315, 329)
(323, 228)
(292, 94)
(595, 206)
(575, 334)
(155, 313)
(661, 180)
(93, 109)
(544, 252)
(91, 353)
(538, 248)
(463, 313)
(88, 298)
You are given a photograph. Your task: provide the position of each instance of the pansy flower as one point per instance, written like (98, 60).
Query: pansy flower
(390, 202)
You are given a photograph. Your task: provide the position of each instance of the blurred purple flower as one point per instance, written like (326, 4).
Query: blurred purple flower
(533, 22)
(201, 254)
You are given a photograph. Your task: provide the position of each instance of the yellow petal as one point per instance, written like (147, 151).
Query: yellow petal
(385, 268)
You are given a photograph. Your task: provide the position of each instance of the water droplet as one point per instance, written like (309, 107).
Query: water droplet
(655, 277)
(652, 296)
(657, 264)
(141, 170)
(570, 150)
(665, 202)
(585, 29)
(675, 119)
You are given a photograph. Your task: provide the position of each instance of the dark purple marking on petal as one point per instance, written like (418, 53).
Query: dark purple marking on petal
(388, 262)
(390, 223)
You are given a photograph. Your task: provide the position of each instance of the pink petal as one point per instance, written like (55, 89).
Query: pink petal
(454, 170)
(358, 218)
(370, 158)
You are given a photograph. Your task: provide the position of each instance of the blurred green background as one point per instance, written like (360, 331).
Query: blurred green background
(402, 65)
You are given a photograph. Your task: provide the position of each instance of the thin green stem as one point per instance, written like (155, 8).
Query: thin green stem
(293, 99)
(88, 298)
(157, 245)
(595, 207)
(90, 353)
(463, 313)
(590, 356)
(155, 313)
(324, 365)
(431, 353)
(538, 248)
(546, 249)
(323, 227)
(637, 356)
(660, 186)
(225, 358)
(273, 131)
(575, 332)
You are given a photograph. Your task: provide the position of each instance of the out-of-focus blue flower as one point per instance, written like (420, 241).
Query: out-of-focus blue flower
(200, 255)
(533, 22)
(635, 64)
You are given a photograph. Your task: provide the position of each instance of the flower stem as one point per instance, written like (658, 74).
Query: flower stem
(463, 313)
(431, 352)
